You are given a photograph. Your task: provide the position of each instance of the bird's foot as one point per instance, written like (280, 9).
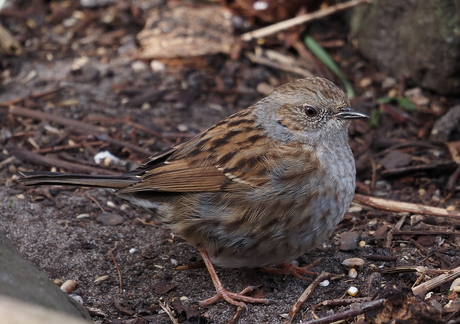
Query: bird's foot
(237, 299)
(288, 268)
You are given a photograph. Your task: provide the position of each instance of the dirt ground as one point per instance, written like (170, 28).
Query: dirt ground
(67, 232)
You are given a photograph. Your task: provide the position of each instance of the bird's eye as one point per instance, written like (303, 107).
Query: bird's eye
(310, 111)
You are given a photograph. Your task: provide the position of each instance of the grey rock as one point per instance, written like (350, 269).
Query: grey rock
(21, 280)
(418, 39)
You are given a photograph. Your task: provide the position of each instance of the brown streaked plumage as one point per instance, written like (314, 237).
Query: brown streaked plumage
(261, 187)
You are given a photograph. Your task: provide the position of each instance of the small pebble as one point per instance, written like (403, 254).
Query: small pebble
(132, 250)
(146, 106)
(157, 66)
(451, 208)
(353, 263)
(183, 298)
(68, 286)
(352, 273)
(362, 244)
(110, 219)
(139, 66)
(174, 262)
(324, 283)
(77, 298)
(352, 291)
(455, 283)
(182, 127)
(111, 204)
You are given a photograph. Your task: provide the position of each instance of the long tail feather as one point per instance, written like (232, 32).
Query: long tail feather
(56, 178)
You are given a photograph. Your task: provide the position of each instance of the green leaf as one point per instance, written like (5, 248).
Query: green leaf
(327, 60)
(374, 118)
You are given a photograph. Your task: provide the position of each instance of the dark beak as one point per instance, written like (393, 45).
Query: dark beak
(348, 113)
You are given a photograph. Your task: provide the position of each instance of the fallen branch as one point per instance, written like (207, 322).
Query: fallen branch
(272, 29)
(399, 206)
(423, 288)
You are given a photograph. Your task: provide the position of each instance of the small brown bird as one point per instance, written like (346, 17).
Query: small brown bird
(259, 188)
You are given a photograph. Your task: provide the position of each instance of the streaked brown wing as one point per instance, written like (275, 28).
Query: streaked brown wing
(179, 176)
(235, 154)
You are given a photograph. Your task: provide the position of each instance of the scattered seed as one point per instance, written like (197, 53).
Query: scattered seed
(324, 283)
(132, 250)
(77, 298)
(355, 209)
(451, 208)
(353, 263)
(352, 291)
(455, 283)
(68, 286)
(362, 244)
(183, 298)
(352, 273)
(111, 204)
(101, 278)
(82, 216)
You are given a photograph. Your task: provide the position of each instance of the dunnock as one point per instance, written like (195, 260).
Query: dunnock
(261, 187)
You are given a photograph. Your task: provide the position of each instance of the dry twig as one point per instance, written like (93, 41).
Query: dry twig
(399, 206)
(305, 295)
(52, 162)
(272, 29)
(40, 115)
(120, 280)
(365, 307)
(168, 311)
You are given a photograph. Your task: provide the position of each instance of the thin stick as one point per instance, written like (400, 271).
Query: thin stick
(364, 307)
(33, 95)
(96, 202)
(272, 29)
(168, 311)
(120, 280)
(305, 295)
(51, 162)
(399, 206)
(24, 112)
(6, 161)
